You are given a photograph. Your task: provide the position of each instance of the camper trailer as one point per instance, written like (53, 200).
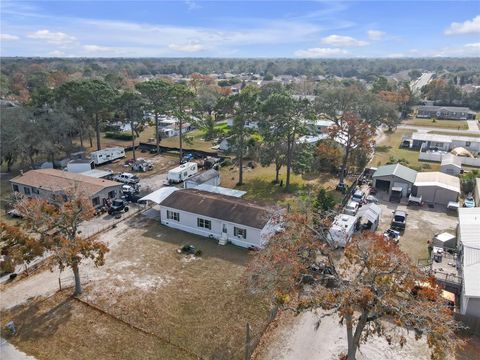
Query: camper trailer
(342, 230)
(80, 166)
(109, 154)
(182, 172)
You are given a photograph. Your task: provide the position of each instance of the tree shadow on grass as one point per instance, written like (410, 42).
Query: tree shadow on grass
(383, 148)
(41, 317)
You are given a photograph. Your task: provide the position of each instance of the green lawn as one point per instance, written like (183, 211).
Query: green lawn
(447, 124)
(390, 147)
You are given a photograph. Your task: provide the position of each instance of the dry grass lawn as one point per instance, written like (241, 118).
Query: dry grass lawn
(197, 304)
(447, 124)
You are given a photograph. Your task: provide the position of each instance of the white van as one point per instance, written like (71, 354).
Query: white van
(182, 172)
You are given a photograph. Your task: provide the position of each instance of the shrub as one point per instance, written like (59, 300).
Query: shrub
(198, 253)
(119, 135)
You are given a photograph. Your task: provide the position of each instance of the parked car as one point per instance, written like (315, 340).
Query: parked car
(415, 200)
(392, 235)
(469, 201)
(399, 220)
(358, 196)
(118, 205)
(351, 208)
(126, 178)
(341, 187)
(453, 206)
(371, 199)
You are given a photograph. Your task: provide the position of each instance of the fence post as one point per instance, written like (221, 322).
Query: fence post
(247, 343)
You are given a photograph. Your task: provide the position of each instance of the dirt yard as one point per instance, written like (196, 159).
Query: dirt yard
(146, 302)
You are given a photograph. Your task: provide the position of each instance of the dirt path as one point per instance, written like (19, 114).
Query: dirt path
(296, 338)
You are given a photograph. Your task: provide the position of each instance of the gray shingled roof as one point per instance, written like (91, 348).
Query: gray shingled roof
(397, 170)
(218, 206)
(445, 108)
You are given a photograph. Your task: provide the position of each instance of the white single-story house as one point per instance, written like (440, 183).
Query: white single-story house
(221, 217)
(209, 177)
(468, 235)
(476, 192)
(425, 141)
(435, 187)
(451, 164)
(395, 175)
(48, 183)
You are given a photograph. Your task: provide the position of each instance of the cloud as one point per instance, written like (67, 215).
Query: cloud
(339, 40)
(191, 47)
(97, 49)
(375, 34)
(320, 52)
(52, 37)
(192, 4)
(56, 53)
(8, 37)
(467, 27)
(473, 45)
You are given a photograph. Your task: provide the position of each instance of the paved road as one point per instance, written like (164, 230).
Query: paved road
(423, 80)
(472, 125)
(431, 128)
(10, 352)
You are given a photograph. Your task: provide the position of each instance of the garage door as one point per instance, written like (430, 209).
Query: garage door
(382, 185)
(404, 187)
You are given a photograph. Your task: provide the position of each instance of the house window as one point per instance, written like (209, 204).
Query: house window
(172, 215)
(96, 201)
(26, 190)
(239, 232)
(35, 191)
(112, 194)
(203, 223)
(15, 187)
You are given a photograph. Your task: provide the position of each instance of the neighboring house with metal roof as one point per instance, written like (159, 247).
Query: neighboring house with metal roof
(426, 141)
(218, 216)
(209, 177)
(369, 216)
(48, 183)
(446, 112)
(435, 187)
(451, 164)
(468, 234)
(394, 175)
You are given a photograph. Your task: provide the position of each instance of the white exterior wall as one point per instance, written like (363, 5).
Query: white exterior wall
(188, 223)
(473, 145)
(436, 194)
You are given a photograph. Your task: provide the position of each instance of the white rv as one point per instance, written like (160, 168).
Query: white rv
(342, 230)
(182, 172)
(109, 154)
(80, 166)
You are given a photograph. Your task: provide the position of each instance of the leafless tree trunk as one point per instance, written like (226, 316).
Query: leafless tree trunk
(181, 138)
(97, 130)
(157, 138)
(76, 275)
(133, 140)
(289, 161)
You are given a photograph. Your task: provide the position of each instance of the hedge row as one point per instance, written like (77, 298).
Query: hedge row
(119, 135)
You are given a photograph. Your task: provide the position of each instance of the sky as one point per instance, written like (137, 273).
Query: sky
(240, 29)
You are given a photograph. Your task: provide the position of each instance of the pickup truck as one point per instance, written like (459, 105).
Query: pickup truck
(126, 178)
(399, 220)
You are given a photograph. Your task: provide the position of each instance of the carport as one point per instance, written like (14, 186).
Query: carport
(394, 175)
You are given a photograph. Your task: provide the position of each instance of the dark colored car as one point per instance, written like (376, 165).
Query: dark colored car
(399, 220)
(117, 206)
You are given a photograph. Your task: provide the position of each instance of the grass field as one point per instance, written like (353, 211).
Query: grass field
(447, 124)
(390, 147)
(259, 186)
(148, 302)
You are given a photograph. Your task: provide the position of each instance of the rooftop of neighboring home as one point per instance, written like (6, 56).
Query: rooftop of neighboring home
(469, 234)
(450, 159)
(58, 180)
(437, 178)
(204, 176)
(218, 206)
(369, 212)
(397, 170)
(445, 108)
(442, 138)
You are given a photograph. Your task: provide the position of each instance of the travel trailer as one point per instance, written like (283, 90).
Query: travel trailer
(109, 154)
(182, 172)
